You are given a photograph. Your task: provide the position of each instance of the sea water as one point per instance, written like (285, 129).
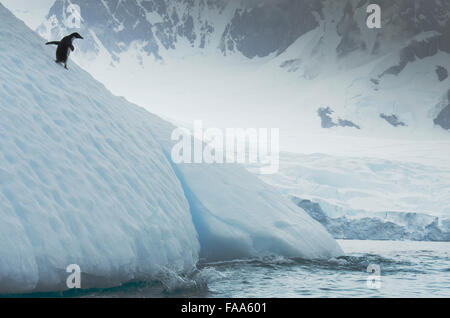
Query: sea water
(404, 269)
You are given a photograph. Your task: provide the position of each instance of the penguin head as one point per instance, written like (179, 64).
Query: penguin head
(76, 35)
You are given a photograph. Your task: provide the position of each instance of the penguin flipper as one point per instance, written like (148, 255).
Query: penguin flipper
(53, 42)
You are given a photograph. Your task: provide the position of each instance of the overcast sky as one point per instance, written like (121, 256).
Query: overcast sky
(32, 12)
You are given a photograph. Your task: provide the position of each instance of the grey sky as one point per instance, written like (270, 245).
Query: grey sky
(32, 12)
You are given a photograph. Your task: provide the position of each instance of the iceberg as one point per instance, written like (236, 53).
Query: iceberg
(86, 178)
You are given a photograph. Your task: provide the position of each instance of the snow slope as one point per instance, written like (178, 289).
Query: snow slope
(85, 178)
(82, 179)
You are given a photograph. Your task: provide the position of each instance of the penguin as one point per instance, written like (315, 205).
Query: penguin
(64, 48)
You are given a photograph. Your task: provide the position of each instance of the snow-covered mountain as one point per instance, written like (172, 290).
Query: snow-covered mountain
(252, 28)
(86, 178)
(306, 66)
(257, 28)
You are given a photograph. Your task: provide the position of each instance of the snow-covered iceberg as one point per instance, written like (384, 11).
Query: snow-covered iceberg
(85, 178)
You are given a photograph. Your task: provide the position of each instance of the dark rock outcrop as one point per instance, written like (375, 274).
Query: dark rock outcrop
(327, 122)
(442, 73)
(324, 114)
(270, 28)
(393, 120)
(313, 209)
(348, 29)
(443, 118)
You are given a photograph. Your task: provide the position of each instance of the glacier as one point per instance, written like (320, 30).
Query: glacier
(352, 186)
(368, 198)
(396, 226)
(86, 178)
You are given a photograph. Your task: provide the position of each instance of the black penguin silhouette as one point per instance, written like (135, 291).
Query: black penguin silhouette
(64, 48)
